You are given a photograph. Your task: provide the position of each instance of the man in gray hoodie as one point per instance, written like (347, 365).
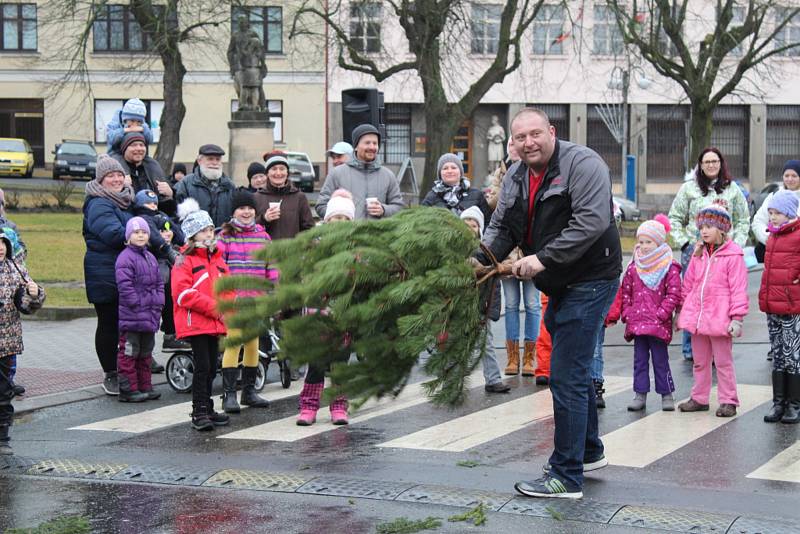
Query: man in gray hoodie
(365, 178)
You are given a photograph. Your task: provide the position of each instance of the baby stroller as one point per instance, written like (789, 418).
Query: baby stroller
(180, 366)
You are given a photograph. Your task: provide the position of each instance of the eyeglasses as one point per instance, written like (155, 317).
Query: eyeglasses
(711, 162)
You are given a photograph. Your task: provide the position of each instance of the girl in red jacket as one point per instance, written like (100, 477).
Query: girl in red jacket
(197, 319)
(779, 298)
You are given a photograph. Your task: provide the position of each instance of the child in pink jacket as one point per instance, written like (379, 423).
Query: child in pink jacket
(651, 290)
(714, 304)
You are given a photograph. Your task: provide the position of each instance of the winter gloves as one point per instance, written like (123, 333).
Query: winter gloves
(735, 328)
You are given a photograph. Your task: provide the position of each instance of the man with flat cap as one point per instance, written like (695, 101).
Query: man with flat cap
(208, 185)
(365, 178)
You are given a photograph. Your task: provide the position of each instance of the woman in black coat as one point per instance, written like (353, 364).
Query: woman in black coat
(452, 190)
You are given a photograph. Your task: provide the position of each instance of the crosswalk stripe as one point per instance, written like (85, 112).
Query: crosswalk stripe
(286, 429)
(784, 466)
(643, 442)
(173, 414)
(458, 435)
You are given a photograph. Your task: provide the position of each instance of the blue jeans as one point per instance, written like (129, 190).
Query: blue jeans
(574, 319)
(597, 359)
(686, 256)
(533, 309)
(491, 370)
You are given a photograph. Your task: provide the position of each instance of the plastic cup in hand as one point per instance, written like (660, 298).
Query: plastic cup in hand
(275, 205)
(372, 200)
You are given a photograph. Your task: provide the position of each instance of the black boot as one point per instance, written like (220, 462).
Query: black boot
(155, 367)
(200, 420)
(218, 418)
(19, 389)
(5, 447)
(125, 393)
(249, 395)
(791, 415)
(778, 397)
(229, 404)
(598, 393)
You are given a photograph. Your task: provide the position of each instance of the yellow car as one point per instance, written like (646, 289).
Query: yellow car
(16, 157)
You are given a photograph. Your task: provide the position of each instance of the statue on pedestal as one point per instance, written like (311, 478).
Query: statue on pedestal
(496, 136)
(248, 68)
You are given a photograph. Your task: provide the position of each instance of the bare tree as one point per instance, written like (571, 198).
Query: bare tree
(432, 30)
(744, 34)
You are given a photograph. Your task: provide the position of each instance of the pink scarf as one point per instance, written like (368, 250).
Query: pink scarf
(653, 267)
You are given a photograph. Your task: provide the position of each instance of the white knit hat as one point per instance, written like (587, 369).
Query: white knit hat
(474, 213)
(341, 203)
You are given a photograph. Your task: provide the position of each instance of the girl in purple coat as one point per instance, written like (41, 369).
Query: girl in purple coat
(651, 291)
(141, 298)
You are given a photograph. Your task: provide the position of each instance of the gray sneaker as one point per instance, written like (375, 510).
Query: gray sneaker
(638, 403)
(593, 465)
(667, 403)
(111, 384)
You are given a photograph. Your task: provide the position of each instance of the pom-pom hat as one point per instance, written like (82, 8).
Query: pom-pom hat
(715, 215)
(341, 203)
(655, 229)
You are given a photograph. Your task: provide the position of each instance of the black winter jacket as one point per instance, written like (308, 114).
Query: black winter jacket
(214, 197)
(474, 197)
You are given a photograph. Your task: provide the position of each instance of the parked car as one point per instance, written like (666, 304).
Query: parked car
(301, 171)
(74, 158)
(761, 196)
(751, 207)
(629, 210)
(16, 157)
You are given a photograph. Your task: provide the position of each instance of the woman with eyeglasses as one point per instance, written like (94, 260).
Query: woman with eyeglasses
(711, 181)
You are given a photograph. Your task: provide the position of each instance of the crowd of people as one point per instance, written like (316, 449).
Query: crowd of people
(157, 243)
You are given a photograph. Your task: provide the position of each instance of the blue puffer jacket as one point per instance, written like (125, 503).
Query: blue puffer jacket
(141, 290)
(104, 233)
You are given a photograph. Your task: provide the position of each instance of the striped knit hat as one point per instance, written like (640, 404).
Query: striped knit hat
(655, 229)
(716, 214)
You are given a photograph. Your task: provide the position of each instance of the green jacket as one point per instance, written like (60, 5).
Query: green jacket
(690, 200)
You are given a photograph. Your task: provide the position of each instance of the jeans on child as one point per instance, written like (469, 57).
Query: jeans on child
(533, 310)
(597, 358)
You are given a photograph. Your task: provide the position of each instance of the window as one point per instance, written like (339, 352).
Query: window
(667, 141)
(267, 22)
(783, 138)
(398, 133)
(548, 31)
(559, 117)
(607, 37)
(18, 27)
(737, 20)
(485, 28)
(600, 139)
(106, 110)
(115, 29)
(275, 108)
(790, 33)
(365, 26)
(731, 134)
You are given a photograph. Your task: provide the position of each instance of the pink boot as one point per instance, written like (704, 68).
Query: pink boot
(339, 410)
(309, 403)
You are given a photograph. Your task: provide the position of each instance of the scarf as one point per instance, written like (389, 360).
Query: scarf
(653, 267)
(122, 200)
(452, 194)
(241, 226)
(775, 229)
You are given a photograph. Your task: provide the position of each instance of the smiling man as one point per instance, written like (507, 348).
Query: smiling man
(365, 178)
(209, 185)
(555, 204)
(144, 171)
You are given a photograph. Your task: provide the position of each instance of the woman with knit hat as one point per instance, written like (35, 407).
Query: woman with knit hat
(791, 182)
(715, 302)
(280, 206)
(650, 293)
(452, 190)
(106, 211)
(256, 176)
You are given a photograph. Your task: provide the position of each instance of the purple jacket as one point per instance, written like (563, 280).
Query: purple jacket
(141, 290)
(648, 312)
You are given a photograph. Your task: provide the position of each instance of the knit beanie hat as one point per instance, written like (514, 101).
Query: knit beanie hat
(136, 223)
(363, 129)
(243, 197)
(162, 222)
(655, 229)
(449, 158)
(784, 201)
(195, 222)
(474, 213)
(106, 165)
(145, 196)
(715, 215)
(793, 164)
(341, 203)
(134, 109)
(255, 168)
(179, 167)
(129, 139)
(276, 160)
(6, 240)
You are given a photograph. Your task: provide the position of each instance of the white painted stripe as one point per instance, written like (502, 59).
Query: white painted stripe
(287, 430)
(785, 466)
(175, 413)
(477, 428)
(653, 437)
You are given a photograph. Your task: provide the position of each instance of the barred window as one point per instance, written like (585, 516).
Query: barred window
(115, 29)
(783, 138)
(398, 133)
(731, 134)
(18, 27)
(485, 28)
(667, 141)
(602, 141)
(548, 30)
(266, 21)
(365, 26)
(558, 115)
(790, 33)
(606, 36)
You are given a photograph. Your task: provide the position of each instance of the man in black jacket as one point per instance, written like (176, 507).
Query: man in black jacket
(144, 171)
(555, 204)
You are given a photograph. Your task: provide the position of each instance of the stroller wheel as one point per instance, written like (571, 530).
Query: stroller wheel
(180, 371)
(261, 375)
(286, 373)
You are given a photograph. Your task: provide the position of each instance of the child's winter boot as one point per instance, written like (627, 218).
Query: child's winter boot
(127, 393)
(529, 359)
(229, 376)
(200, 419)
(339, 411)
(512, 349)
(667, 402)
(792, 414)
(309, 403)
(145, 378)
(598, 393)
(249, 395)
(779, 380)
(5, 447)
(638, 403)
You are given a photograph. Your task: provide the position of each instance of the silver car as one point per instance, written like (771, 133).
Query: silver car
(628, 209)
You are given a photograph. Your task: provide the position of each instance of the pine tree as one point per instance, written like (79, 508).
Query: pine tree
(388, 290)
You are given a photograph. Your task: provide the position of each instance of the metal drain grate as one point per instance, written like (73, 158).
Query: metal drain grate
(16, 465)
(75, 469)
(163, 475)
(454, 497)
(754, 525)
(573, 510)
(674, 520)
(255, 480)
(354, 487)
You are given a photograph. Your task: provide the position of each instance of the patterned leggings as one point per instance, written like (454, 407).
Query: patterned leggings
(784, 338)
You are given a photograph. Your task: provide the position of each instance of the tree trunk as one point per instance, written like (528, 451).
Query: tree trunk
(174, 109)
(700, 127)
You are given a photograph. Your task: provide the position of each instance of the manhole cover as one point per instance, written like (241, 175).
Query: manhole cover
(454, 497)
(562, 509)
(75, 469)
(163, 475)
(354, 487)
(754, 525)
(255, 480)
(670, 519)
(16, 465)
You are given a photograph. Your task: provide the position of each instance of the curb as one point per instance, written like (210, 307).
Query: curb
(583, 510)
(61, 314)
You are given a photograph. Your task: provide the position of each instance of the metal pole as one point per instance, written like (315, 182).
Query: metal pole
(624, 144)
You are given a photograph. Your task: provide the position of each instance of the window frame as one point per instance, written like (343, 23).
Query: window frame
(154, 107)
(548, 25)
(369, 26)
(128, 22)
(265, 24)
(20, 19)
(398, 118)
(487, 40)
(785, 35)
(612, 35)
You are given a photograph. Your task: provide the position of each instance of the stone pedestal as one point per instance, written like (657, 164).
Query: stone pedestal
(251, 136)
